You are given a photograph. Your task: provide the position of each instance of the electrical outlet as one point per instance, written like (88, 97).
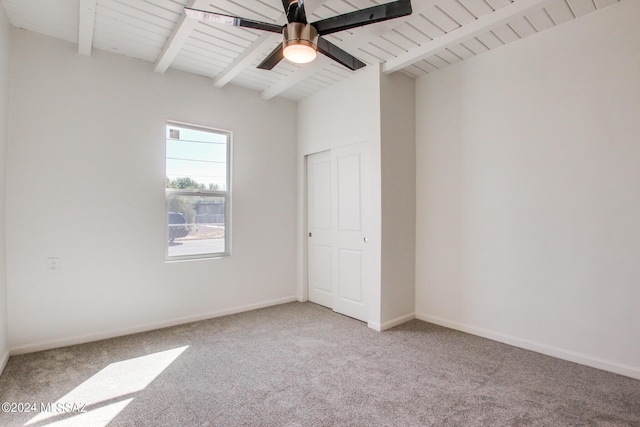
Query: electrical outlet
(53, 264)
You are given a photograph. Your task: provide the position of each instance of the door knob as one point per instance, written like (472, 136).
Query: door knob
(366, 239)
(310, 234)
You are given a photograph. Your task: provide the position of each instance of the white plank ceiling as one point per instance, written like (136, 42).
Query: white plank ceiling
(437, 34)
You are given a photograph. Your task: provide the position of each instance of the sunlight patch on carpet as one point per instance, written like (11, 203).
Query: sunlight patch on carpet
(102, 397)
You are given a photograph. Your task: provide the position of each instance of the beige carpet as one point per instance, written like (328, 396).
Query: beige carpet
(300, 364)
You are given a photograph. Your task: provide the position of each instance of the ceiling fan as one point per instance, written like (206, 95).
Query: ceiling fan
(302, 40)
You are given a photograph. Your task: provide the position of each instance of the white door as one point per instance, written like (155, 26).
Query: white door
(320, 228)
(350, 193)
(337, 223)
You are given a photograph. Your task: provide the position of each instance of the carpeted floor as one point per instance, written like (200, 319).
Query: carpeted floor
(300, 364)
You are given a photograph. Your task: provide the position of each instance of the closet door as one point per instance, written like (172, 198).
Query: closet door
(320, 228)
(337, 194)
(350, 192)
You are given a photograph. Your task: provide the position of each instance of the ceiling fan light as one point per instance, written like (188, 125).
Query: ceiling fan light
(300, 53)
(300, 42)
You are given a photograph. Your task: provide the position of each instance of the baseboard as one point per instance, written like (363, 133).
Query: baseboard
(81, 339)
(3, 361)
(374, 326)
(605, 365)
(391, 323)
(397, 321)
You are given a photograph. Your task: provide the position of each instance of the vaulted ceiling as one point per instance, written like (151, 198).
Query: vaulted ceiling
(437, 34)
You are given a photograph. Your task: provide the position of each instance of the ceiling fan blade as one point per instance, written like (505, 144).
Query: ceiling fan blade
(362, 17)
(272, 59)
(334, 52)
(231, 20)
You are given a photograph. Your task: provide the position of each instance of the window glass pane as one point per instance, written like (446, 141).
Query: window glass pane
(196, 159)
(196, 225)
(197, 191)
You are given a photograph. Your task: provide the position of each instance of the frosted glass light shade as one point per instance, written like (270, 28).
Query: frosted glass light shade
(299, 53)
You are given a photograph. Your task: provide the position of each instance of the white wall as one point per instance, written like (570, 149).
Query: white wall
(343, 114)
(4, 91)
(528, 192)
(398, 167)
(85, 183)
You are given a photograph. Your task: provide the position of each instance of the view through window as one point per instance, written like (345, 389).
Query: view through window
(197, 191)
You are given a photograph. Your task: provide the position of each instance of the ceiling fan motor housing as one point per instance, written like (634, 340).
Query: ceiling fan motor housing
(297, 33)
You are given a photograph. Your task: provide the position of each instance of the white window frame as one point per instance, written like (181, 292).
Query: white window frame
(226, 195)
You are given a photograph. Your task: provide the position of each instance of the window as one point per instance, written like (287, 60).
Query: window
(197, 191)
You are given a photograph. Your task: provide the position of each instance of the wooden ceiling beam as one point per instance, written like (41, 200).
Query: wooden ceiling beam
(181, 32)
(245, 58)
(86, 21)
(294, 78)
(479, 26)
